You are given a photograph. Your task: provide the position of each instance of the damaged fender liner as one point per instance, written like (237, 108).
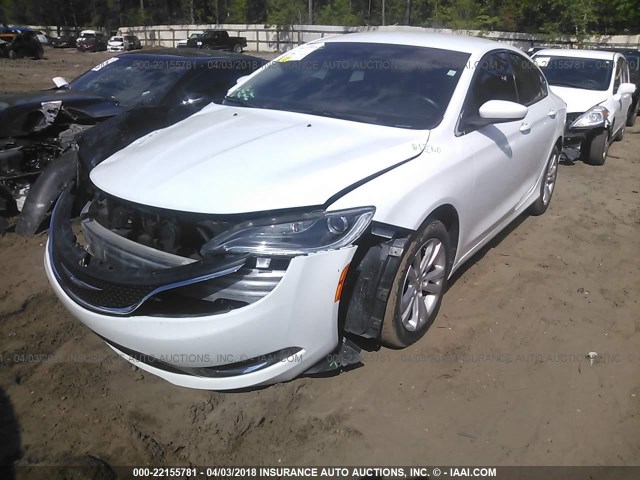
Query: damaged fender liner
(116, 290)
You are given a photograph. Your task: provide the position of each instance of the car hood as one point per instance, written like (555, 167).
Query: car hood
(15, 108)
(229, 160)
(579, 100)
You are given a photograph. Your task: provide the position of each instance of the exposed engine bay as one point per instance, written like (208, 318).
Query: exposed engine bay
(23, 159)
(29, 143)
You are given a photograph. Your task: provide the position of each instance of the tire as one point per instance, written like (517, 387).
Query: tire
(206, 47)
(597, 149)
(620, 135)
(237, 48)
(12, 55)
(631, 118)
(547, 185)
(4, 224)
(410, 311)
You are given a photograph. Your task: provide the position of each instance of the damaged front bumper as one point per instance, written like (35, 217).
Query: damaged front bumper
(575, 139)
(215, 324)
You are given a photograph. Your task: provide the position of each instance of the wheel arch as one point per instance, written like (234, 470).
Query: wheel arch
(374, 267)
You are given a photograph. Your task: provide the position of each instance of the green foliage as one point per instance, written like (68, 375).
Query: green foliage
(575, 17)
(286, 12)
(337, 12)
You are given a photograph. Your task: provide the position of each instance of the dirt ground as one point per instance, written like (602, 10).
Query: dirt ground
(500, 379)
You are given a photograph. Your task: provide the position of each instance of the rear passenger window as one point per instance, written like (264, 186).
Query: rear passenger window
(530, 83)
(493, 80)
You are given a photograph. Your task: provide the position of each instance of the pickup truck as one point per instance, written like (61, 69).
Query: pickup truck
(218, 40)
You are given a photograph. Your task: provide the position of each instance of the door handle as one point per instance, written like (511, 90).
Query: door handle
(525, 128)
(552, 113)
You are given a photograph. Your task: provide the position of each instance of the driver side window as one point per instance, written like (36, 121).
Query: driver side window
(493, 80)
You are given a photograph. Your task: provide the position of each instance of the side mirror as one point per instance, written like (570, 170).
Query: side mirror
(626, 89)
(192, 101)
(59, 82)
(498, 111)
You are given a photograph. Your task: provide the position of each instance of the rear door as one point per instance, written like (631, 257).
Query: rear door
(539, 126)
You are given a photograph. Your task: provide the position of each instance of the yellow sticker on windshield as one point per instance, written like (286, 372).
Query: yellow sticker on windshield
(300, 52)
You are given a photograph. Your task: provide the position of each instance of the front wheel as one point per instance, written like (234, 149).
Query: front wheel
(597, 149)
(418, 287)
(631, 118)
(548, 184)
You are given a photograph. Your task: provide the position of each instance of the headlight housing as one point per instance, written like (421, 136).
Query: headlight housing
(198, 43)
(594, 117)
(293, 235)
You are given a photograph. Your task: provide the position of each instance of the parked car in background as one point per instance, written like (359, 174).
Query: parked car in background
(23, 43)
(218, 40)
(91, 41)
(596, 88)
(239, 246)
(145, 91)
(64, 41)
(123, 43)
(183, 42)
(42, 38)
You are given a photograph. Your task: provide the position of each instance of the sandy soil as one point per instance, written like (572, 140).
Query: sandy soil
(500, 379)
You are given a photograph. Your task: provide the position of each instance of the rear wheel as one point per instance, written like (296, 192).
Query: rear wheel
(548, 184)
(597, 149)
(237, 48)
(418, 287)
(620, 135)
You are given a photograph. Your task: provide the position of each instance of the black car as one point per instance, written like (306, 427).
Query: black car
(23, 43)
(64, 41)
(91, 41)
(217, 40)
(128, 95)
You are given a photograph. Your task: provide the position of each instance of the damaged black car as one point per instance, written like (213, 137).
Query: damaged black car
(44, 134)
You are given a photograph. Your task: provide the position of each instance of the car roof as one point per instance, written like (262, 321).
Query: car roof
(446, 41)
(191, 53)
(577, 53)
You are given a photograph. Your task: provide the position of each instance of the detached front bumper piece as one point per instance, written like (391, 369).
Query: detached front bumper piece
(289, 325)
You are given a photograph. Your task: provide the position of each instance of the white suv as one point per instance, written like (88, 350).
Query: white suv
(595, 86)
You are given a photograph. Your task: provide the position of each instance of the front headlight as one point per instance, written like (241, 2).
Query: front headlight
(595, 117)
(198, 43)
(295, 234)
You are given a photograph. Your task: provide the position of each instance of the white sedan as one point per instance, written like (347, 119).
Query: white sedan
(596, 88)
(335, 191)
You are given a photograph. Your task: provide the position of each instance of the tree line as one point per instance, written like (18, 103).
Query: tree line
(575, 17)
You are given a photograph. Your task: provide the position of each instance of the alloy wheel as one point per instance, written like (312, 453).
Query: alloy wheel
(423, 284)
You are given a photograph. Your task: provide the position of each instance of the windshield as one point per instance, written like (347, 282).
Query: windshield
(394, 85)
(586, 73)
(129, 81)
(115, 39)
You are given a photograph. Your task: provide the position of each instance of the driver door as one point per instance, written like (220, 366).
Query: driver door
(495, 152)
